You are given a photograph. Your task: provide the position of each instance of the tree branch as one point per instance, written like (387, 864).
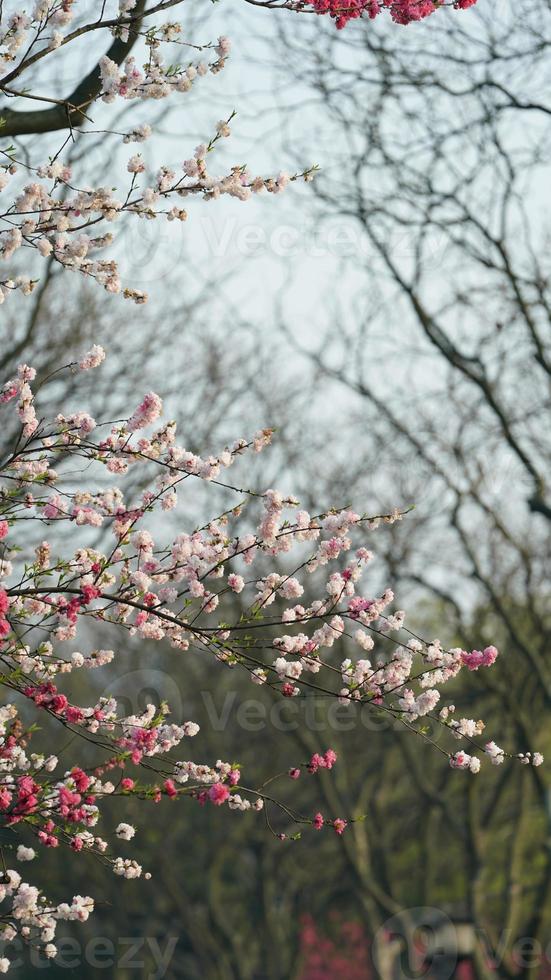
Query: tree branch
(70, 112)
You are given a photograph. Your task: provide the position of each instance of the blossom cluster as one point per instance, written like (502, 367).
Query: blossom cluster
(156, 80)
(401, 11)
(179, 591)
(52, 216)
(21, 28)
(67, 224)
(42, 208)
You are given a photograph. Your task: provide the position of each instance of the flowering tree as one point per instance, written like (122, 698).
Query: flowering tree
(307, 568)
(172, 591)
(52, 215)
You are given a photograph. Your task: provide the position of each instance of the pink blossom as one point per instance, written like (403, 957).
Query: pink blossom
(236, 582)
(92, 359)
(218, 794)
(148, 411)
(480, 658)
